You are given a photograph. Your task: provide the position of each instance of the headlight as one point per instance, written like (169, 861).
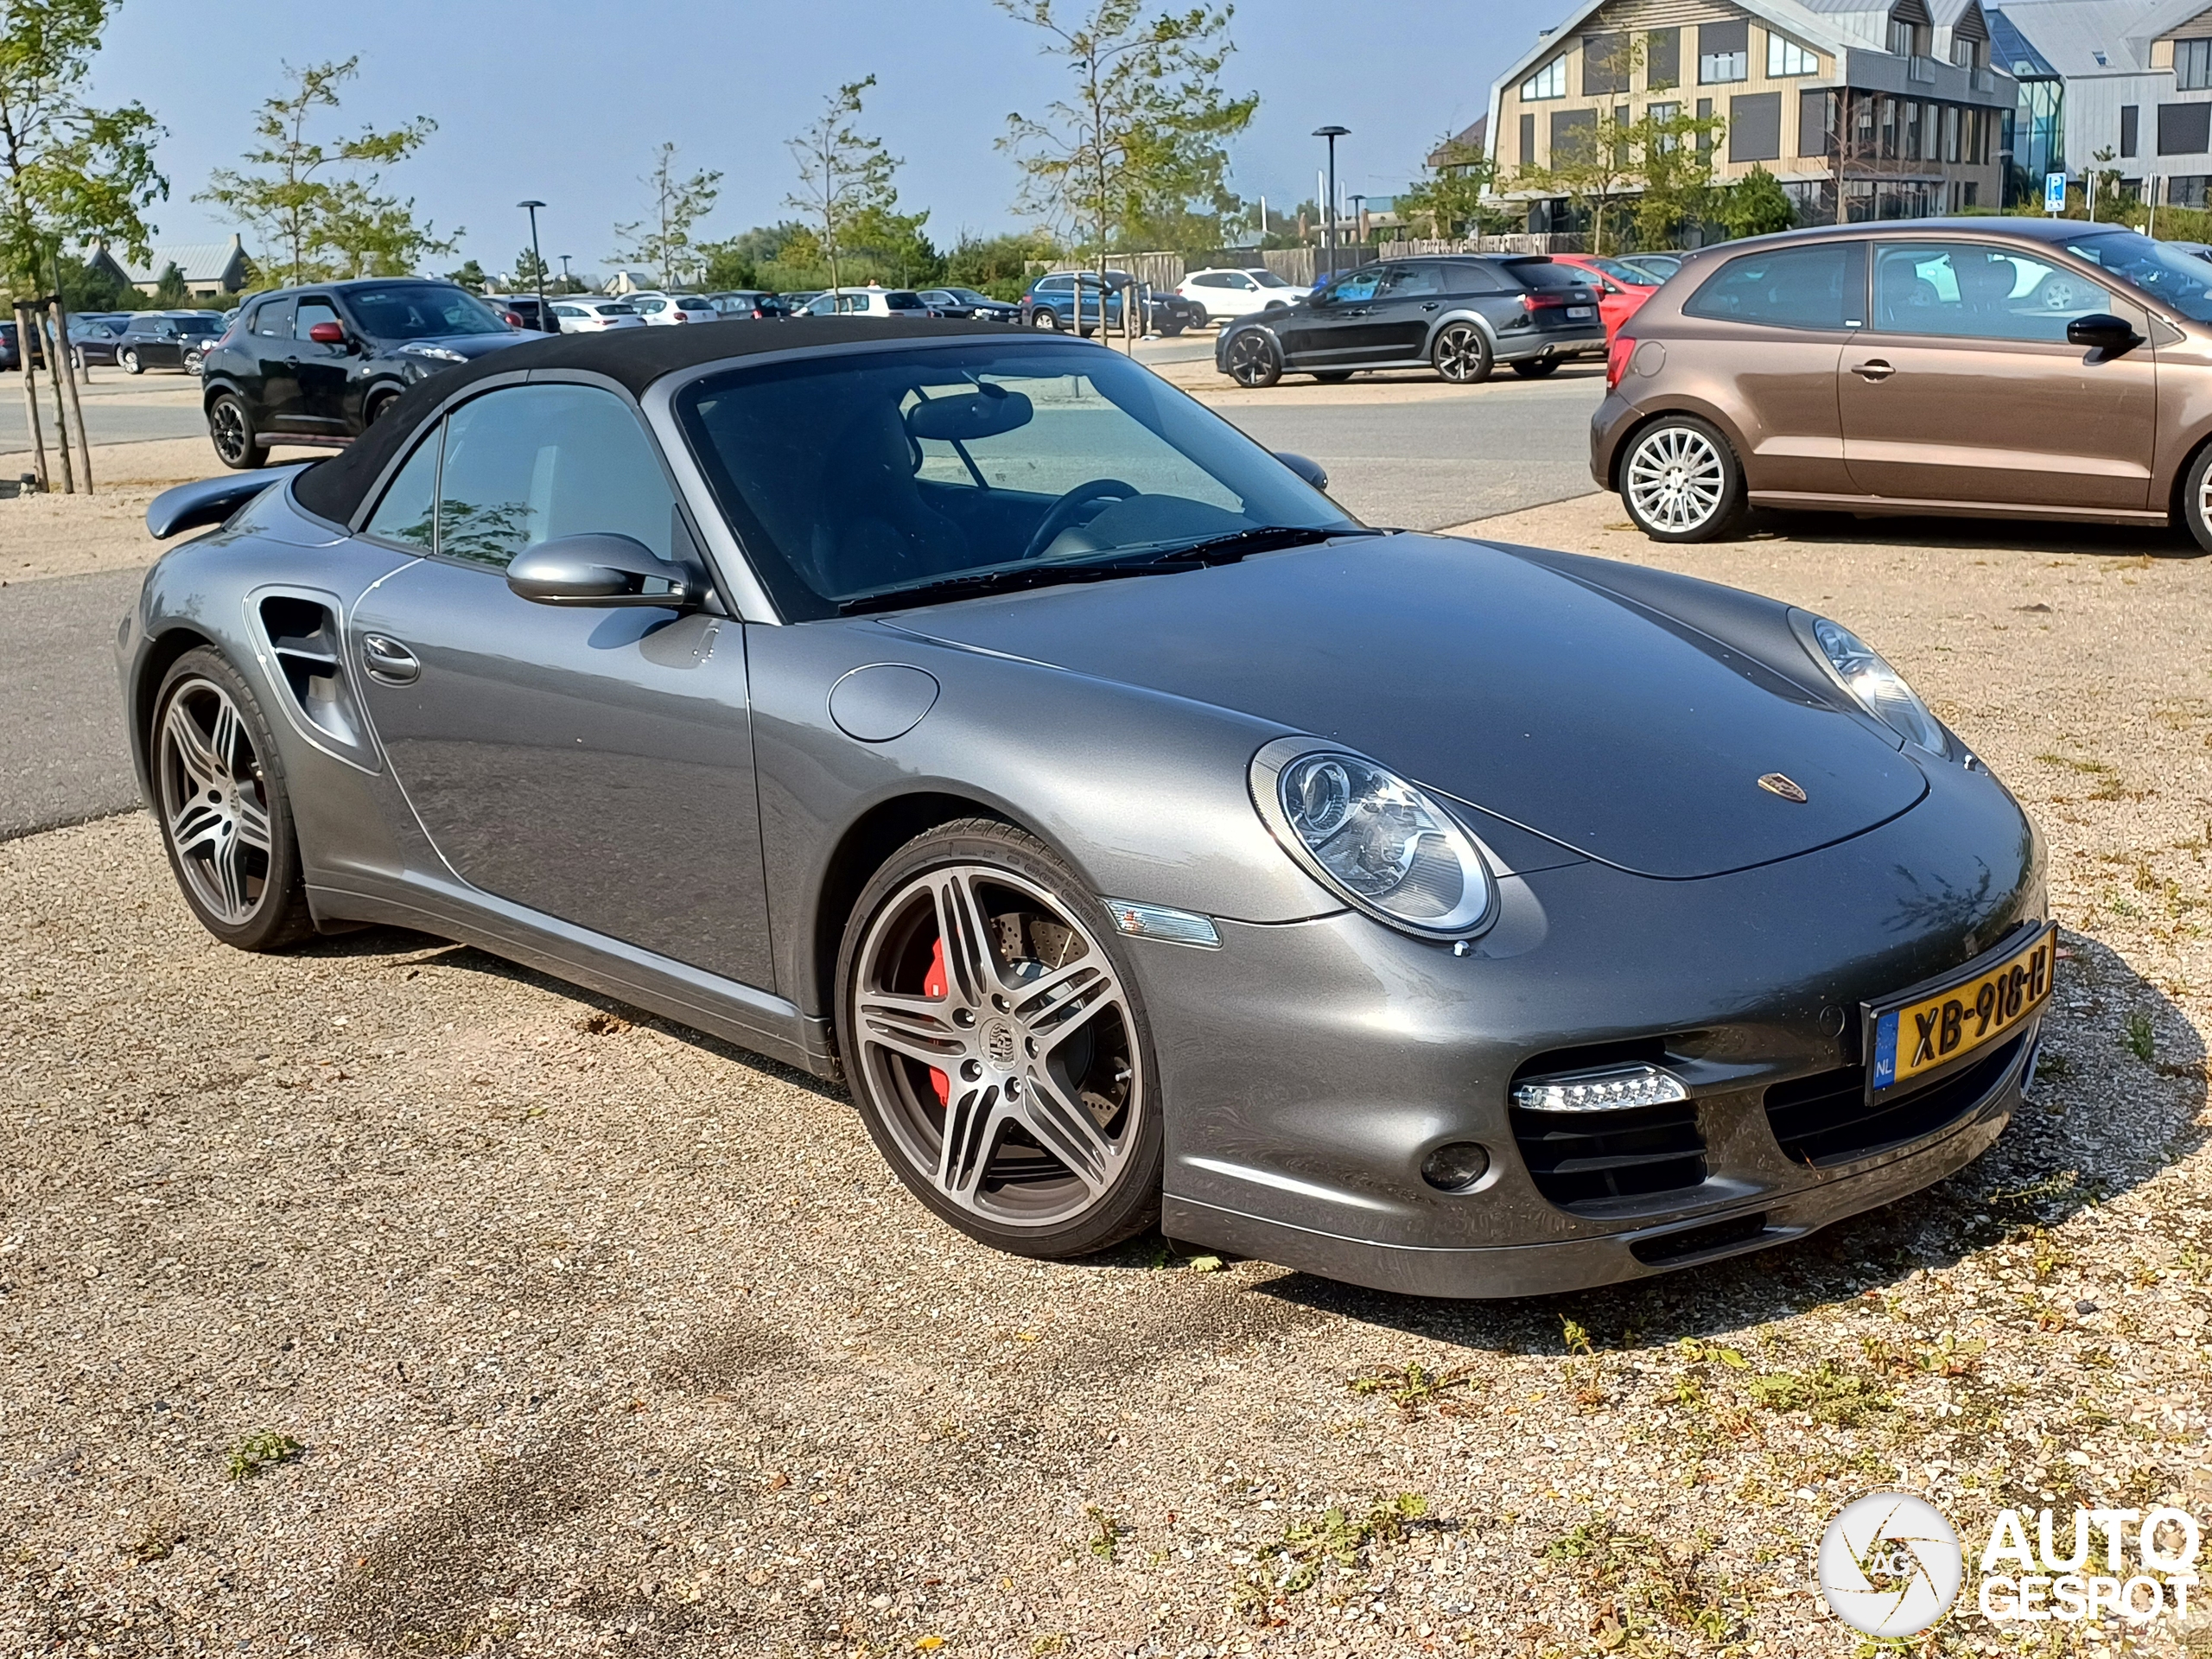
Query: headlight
(441, 353)
(1877, 688)
(1370, 835)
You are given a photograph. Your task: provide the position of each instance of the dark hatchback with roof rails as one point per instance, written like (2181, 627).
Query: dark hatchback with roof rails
(1461, 315)
(318, 365)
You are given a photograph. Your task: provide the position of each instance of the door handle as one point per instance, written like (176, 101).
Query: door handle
(1873, 369)
(1430, 305)
(389, 661)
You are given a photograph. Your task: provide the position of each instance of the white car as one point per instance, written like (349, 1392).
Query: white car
(595, 317)
(869, 302)
(1227, 294)
(664, 311)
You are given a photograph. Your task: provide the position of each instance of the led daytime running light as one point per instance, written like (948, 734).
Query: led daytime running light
(1614, 1089)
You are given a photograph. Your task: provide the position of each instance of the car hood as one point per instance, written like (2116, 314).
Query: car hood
(1572, 713)
(469, 345)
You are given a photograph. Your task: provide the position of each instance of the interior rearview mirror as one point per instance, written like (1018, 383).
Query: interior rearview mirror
(986, 412)
(2102, 331)
(604, 570)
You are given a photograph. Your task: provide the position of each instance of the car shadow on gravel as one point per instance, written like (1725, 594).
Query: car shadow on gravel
(2121, 1085)
(1969, 535)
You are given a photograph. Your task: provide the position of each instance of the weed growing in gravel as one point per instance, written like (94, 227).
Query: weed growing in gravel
(1828, 1393)
(1338, 1536)
(1642, 1591)
(1105, 1532)
(258, 1453)
(2141, 1039)
(1412, 1387)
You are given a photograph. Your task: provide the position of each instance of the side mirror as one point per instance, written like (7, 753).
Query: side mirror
(1312, 471)
(327, 333)
(603, 571)
(2102, 332)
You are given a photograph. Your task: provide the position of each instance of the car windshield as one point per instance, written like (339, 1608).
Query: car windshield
(903, 301)
(849, 476)
(1621, 273)
(422, 311)
(1266, 279)
(2182, 281)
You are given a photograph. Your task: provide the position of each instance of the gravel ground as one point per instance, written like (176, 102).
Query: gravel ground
(386, 1299)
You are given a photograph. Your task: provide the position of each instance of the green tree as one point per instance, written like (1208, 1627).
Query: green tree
(69, 172)
(1755, 205)
(1674, 158)
(169, 291)
(1450, 194)
(999, 266)
(663, 239)
(725, 267)
(318, 207)
(1140, 142)
(530, 270)
(1593, 166)
(471, 276)
(844, 177)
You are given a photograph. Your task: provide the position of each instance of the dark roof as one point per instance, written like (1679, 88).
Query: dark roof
(634, 357)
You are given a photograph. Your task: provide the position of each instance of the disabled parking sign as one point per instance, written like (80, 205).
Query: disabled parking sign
(2053, 193)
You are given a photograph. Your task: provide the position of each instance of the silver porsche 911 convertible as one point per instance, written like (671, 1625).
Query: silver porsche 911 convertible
(981, 721)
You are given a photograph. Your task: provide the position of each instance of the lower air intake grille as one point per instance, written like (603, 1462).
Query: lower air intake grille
(1827, 1118)
(1587, 1157)
(1697, 1241)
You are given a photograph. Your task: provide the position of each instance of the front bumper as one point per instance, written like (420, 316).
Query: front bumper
(1311, 1068)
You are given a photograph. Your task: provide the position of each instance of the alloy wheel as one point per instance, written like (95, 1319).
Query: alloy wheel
(226, 426)
(1045, 319)
(1463, 356)
(1252, 359)
(996, 1041)
(214, 801)
(1675, 479)
(128, 361)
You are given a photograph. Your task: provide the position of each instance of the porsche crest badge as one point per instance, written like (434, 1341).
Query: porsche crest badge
(1774, 784)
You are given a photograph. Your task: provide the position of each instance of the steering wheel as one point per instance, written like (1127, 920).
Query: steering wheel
(1062, 513)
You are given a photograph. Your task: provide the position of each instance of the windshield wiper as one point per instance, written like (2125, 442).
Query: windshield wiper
(1013, 578)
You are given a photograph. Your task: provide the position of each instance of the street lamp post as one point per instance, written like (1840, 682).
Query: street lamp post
(1359, 218)
(567, 282)
(537, 260)
(1330, 208)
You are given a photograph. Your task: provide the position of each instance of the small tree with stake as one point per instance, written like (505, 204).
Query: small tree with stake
(844, 177)
(664, 241)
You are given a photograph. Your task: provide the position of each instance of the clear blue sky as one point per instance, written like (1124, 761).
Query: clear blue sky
(566, 102)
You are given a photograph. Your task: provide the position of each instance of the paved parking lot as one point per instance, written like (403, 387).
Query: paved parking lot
(384, 1298)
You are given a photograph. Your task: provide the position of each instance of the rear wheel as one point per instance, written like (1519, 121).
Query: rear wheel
(1680, 480)
(127, 361)
(1535, 368)
(225, 818)
(1253, 360)
(1462, 354)
(2196, 498)
(995, 1047)
(1045, 317)
(230, 427)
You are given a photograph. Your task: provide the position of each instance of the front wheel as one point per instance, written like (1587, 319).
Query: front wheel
(996, 1044)
(1047, 318)
(1535, 368)
(1254, 360)
(230, 428)
(1680, 480)
(226, 817)
(127, 359)
(1462, 354)
(192, 362)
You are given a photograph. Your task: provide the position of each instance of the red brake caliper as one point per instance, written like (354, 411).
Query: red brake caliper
(938, 985)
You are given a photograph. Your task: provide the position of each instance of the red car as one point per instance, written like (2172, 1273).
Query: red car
(1621, 289)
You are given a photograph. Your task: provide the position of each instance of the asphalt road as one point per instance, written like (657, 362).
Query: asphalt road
(119, 409)
(1421, 463)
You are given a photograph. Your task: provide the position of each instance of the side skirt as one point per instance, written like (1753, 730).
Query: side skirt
(742, 1015)
(1899, 506)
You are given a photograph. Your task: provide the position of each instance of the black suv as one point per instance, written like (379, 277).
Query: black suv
(318, 364)
(1461, 315)
(167, 339)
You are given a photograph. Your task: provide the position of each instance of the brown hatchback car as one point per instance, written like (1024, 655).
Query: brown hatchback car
(2023, 368)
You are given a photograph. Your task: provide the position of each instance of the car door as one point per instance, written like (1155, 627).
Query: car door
(1328, 331)
(268, 340)
(1404, 305)
(1963, 389)
(592, 765)
(324, 371)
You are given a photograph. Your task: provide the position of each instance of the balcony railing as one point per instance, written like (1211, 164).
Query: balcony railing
(1982, 80)
(1920, 68)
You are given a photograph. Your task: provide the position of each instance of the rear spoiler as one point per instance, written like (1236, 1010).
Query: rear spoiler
(211, 499)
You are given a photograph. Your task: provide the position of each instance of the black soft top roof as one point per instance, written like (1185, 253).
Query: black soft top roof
(634, 357)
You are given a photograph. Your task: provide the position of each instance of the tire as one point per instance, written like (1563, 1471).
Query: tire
(1045, 317)
(379, 405)
(230, 428)
(1333, 377)
(1043, 1077)
(1253, 359)
(224, 815)
(127, 361)
(1462, 354)
(1535, 368)
(1170, 330)
(1680, 480)
(191, 360)
(2196, 508)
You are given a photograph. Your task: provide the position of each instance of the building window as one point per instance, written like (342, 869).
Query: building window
(1528, 140)
(2193, 64)
(1605, 64)
(1662, 59)
(1967, 53)
(1575, 136)
(1784, 57)
(1755, 127)
(2187, 190)
(2184, 129)
(1885, 117)
(1950, 132)
(1724, 52)
(2131, 120)
(1661, 116)
(1550, 81)
(1816, 124)
(1911, 124)
(1705, 134)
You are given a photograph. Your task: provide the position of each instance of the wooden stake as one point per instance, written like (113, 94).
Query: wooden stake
(53, 372)
(24, 314)
(68, 370)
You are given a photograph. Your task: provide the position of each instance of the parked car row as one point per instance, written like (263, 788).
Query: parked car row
(1074, 300)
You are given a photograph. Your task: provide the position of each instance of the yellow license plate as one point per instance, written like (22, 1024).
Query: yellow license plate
(1934, 1030)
